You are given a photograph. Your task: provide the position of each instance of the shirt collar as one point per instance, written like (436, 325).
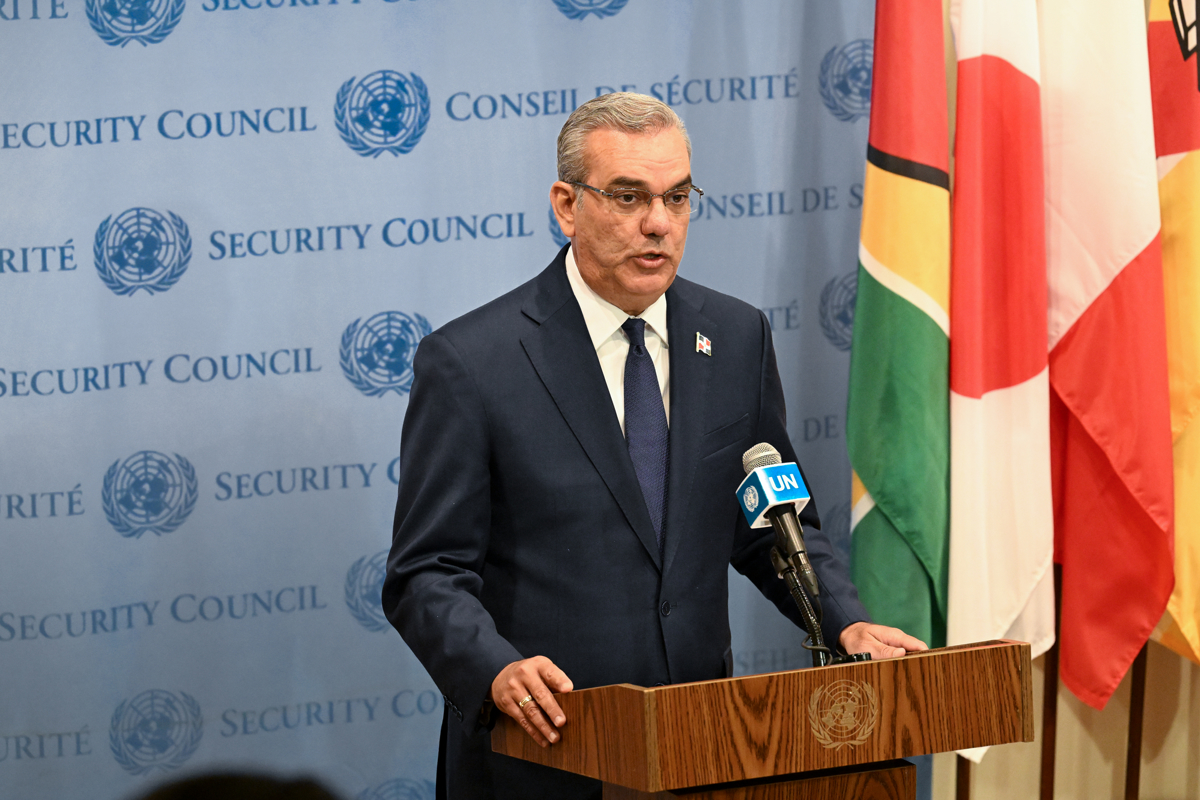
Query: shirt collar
(602, 318)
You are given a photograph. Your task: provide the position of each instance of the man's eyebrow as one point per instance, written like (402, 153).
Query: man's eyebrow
(621, 182)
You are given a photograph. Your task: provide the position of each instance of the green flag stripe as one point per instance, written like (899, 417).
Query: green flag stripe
(892, 584)
(898, 427)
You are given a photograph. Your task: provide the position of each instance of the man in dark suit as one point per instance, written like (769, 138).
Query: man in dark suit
(566, 510)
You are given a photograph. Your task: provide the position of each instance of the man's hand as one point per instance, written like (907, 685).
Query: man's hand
(534, 678)
(878, 640)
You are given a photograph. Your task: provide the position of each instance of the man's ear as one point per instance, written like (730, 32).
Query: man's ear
(562, 200)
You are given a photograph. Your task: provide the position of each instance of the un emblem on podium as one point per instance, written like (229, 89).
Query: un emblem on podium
(119, 22)
(400, 789)
(578, 9)
(376, 356)
(364, 591)
(149, 491)
(843, 713)
(846, 79)
(837, 310)
(142, 249)
(155, 730)
(385, 112)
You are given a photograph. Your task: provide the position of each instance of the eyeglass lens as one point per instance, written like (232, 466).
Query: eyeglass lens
(633, 201)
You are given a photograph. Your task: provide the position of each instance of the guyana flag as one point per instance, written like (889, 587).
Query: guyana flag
(1175, 92)
(897, 425)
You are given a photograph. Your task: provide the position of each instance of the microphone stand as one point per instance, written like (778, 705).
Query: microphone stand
(821, 654)
(810, 611)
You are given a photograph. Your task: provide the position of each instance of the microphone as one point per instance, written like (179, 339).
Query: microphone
(770, 496)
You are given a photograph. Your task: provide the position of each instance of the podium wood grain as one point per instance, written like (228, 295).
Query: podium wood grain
(736, 729)
(890, 780)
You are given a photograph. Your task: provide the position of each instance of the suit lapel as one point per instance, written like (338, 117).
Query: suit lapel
(690, 374)
(559, 350)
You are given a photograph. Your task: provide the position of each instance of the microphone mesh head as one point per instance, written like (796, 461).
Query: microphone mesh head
(761, 455)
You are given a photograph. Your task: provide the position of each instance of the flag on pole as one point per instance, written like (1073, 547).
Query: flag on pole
(1175, 88)
(1110, 429)
(1001, 516)
(897, 427)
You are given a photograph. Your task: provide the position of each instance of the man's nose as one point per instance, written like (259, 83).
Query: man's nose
(656, 221)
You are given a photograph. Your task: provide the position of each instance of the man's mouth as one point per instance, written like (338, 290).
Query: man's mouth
(651, 260)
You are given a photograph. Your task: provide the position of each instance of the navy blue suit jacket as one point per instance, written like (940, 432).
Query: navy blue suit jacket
(520, 527)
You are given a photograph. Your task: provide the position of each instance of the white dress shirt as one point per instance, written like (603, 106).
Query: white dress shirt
(604, 321)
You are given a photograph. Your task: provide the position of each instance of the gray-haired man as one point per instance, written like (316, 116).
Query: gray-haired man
(566, 513)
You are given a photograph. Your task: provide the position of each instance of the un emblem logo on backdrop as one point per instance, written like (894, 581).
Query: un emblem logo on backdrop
(556, 233)
(364, 591)
(155, 730)
(142, 249)
(578, 9)
(385, 112)
(400, 789)
(149, 491)
(837, 310)
(837, 520)
(119, 22)
(846, 80)
(376, 355)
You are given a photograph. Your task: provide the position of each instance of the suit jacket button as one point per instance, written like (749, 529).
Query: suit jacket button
(665, 608)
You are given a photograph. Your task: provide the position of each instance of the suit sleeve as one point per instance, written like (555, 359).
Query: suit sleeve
(440, 533)
(839, 599)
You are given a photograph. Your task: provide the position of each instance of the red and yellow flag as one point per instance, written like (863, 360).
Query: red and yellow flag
(1175, 87)
(1110, 428)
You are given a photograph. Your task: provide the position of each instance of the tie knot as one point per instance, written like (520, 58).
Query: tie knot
(635, 329)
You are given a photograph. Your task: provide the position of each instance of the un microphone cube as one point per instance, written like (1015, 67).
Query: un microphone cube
(768, 487)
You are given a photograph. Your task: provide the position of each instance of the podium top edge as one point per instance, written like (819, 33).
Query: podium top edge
(990, 644)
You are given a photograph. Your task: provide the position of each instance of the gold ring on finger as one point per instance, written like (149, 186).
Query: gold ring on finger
(528, 699)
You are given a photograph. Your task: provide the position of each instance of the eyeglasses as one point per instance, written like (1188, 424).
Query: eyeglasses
(635, 201)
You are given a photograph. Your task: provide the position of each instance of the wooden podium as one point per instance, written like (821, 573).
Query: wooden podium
(832, 732)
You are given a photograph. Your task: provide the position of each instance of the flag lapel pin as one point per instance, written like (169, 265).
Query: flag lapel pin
(703, 344)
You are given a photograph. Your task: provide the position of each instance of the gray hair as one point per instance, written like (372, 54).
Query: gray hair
(619, 111)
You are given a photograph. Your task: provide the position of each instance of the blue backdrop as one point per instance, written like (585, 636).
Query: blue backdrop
(225, 225)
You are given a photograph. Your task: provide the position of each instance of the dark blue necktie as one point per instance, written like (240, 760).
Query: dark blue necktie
(646, 425)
